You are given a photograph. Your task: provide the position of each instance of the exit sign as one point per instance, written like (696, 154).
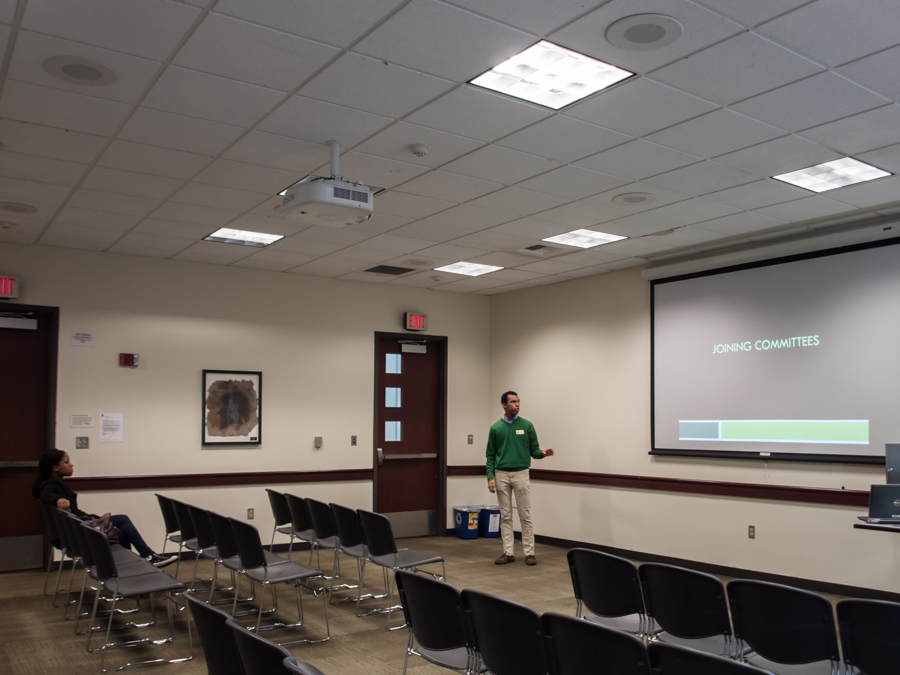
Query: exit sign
(416, 321)
(9, 287)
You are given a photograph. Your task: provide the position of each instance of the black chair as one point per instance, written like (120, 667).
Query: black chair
(228, 557)
(263, 657)
(610, 588)
(326, 537)
(508, 636)
(301, 521)
(170, 521)
(282, 515)
(669, 659)
(870, 636)
(255, 566)
(437, 623)
(66, 546)
(785, 627)
(350, 534)
(216, 638)
(206, 541)
(53, 535)
(381, 549)
(690, 607)
(578, 647)
(118, 587)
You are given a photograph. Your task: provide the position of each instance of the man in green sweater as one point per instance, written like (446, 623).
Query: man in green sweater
(512, 443)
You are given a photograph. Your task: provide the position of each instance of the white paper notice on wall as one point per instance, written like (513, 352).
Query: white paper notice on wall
(82, 338)
(112, 427)
(82, 421)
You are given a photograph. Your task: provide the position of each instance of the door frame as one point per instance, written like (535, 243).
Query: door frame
(441, 515)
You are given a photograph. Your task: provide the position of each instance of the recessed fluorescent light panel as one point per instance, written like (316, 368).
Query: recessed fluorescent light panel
(469, 269)
(584, 238)
(832, 175)
(258, 239)
(551, 76)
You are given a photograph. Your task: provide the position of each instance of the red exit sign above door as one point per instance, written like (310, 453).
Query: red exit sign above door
(415, 321)
(9, 287)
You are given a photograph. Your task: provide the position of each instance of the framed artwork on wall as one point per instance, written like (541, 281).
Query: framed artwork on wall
(232, 407)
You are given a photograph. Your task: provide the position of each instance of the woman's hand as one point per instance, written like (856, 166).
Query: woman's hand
(62, 503)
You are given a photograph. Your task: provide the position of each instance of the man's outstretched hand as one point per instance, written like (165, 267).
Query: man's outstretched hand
(548, 452)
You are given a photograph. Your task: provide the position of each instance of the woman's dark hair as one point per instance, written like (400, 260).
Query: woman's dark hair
(45, 469)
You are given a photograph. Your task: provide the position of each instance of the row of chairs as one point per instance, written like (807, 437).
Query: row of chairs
(769, 625)
(474, 632)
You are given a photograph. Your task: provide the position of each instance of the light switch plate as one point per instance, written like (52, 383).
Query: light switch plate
(82, 442)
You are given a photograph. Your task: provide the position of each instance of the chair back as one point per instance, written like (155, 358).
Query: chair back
(78, 537)
(58, 515)
(300, 518)
(249, 545)
(669, 659)
(685, 603)
(346, 522)
(433, 611)
(185, 524)
(606, 584)
(579, 647)
(206, 537)
(226, 543)
(168, 513)
(104, 565)
(783, 624)
(217, 638)
(259, 656)
(377, 533)
(280, 509)
(322, 519)
(509, 636)
(50, 522)
(869, 635)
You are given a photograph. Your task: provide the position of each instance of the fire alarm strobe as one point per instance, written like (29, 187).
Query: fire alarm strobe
(129, 360)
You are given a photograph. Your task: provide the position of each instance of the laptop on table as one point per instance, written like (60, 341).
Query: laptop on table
(884, 505)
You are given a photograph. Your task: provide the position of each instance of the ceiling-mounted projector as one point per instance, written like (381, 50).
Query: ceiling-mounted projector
(327, 201)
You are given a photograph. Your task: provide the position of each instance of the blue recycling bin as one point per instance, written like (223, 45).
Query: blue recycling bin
(489, 521)
(466, 521)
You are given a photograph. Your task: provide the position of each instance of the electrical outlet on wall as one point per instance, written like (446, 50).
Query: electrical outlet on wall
(751, 532)
(249, 514)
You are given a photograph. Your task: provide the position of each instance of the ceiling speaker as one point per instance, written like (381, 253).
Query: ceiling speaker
(643, 32)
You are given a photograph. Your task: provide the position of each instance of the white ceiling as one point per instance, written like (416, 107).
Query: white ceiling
(220, 104)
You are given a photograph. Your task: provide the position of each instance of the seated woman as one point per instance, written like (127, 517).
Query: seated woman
(49, 488)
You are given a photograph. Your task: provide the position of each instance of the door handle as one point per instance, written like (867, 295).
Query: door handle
(380, 453)
(424, 455)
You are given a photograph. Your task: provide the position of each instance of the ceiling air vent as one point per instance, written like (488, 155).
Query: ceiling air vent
(389, 269)
(541, 250)
(352, 195)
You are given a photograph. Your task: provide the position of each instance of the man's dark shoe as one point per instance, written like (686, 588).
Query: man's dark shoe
(530, 560)
(503, 559)
(161, 559)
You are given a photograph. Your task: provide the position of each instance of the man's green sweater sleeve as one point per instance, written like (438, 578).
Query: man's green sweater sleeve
(490, 454)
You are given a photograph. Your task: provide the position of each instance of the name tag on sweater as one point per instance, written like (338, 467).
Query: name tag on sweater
(520, 432)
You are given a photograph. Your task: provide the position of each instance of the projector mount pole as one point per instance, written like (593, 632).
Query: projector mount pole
(335, 153)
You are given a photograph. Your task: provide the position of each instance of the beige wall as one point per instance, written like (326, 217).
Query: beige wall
(578, 353)
(313, 339)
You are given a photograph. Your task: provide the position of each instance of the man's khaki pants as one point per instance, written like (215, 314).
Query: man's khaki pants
(507, 483)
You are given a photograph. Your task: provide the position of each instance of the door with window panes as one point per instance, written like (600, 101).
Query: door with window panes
(410, 432)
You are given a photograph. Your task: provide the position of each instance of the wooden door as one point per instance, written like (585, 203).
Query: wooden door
(410, 432)
(27, 421)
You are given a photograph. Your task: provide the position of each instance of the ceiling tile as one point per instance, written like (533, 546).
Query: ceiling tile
(436, 232)
(218, 197)
(366, 254)
(209, 97)
(690, 236)
(451, 252)
(638, 160)
(198, 215)
(637, 225)
(716, 133)
(61, 109)
(395, 142)
(691, 211)
(150, 28)
(758, 194)
(855, 29)
(811, 102)
(564, 139)
(274, 260)
(153, 160)
(519, 202)
(700, 179)
(740, 223)
(21, 232)
(138, 243)
(424, 279)
(268, 224)
(625, 263)
(379, 223)
(502, 165)
(43, 169)
(752, 13)
(35, 139)
(26, 221)
(397, 244)
(581, 214)
(804, 209)
(333, 235)
(507, 260)
(655, 197)
(367, 277)
(592, 256)
(315, 248)
(531, 228)
(471, 217)
(701, 28)
(638, 107)
(7, 10)
(105, 235)
(887, 158)
(496, 241)
(169, 228)
(443, 40)
(320, 122)
(280, 152)
(80, 242)
(114, 221)
(451, 186)
(328, 267)
(878, 72)
(215, 253)
(573, 182)
(469, 284)
(32, 49)
(130, 205)
(409, 205)
(155, 127)
(548, 267)
(311, 18)
(882, 191)
(372, 85)
(513, 276)
(277, 60)
(535, 16)
(130, 183)
(636, 247)
(29, 191)
(859, 133)
(240, 176)
(738, 68)
(372, 170)
(475, 113)
(781, 155)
